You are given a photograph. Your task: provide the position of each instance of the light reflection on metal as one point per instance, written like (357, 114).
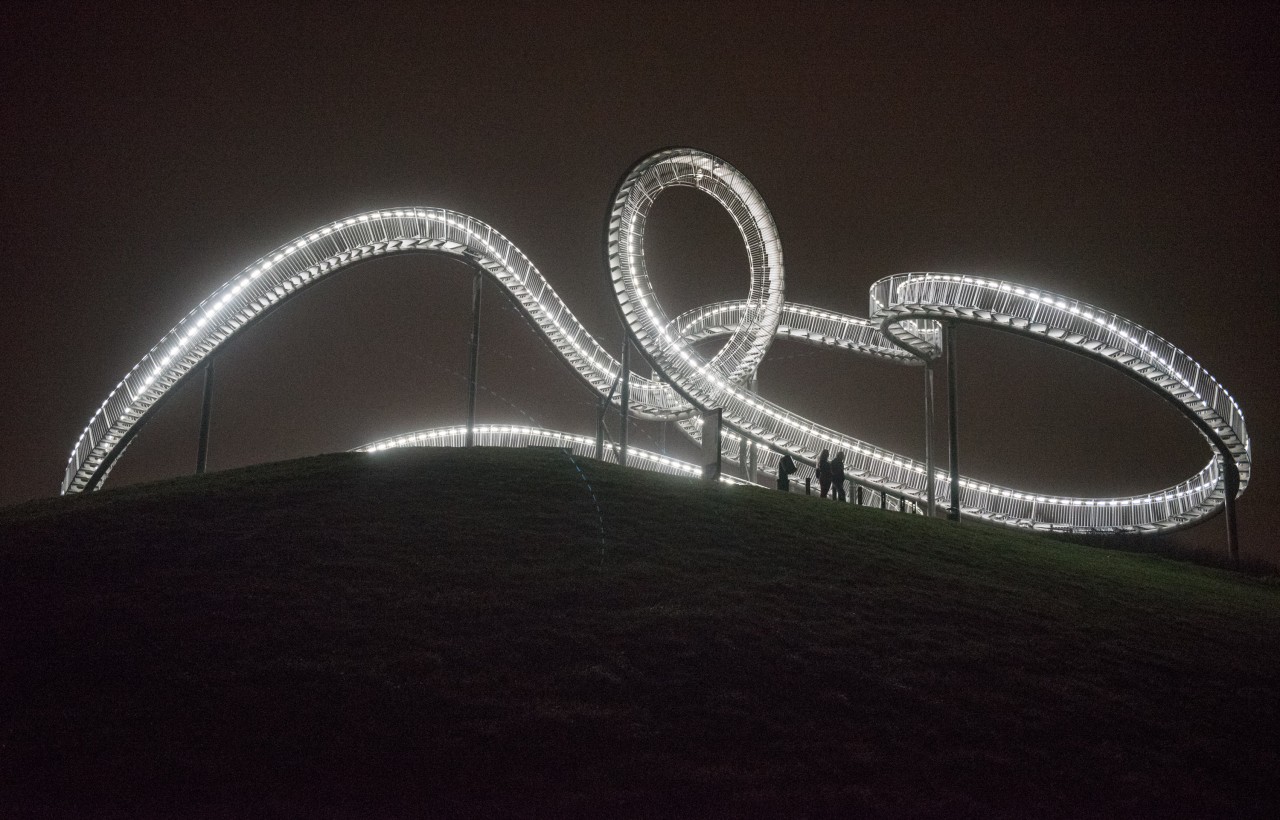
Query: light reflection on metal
(906, 312)
(513, 435)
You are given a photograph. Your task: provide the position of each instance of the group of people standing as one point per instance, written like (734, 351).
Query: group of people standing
(830, 474)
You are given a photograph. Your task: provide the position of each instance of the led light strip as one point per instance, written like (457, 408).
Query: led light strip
(512, 435)
(300, 263)
(905, 312)
(907, 309)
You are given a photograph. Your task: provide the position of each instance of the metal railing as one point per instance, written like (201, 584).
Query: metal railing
(907, 312)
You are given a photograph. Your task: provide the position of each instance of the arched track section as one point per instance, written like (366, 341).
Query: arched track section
(903, 328)
(519, 435)
(800, 323)
(279, 275)
(511, 435)
(911, 306)
(908, 310)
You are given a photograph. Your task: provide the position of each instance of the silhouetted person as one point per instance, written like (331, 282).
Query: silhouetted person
(786, 466)
(824, 472)
(837, 476)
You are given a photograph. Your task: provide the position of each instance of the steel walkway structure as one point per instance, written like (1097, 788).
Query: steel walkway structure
(516, 435)
(910, 315)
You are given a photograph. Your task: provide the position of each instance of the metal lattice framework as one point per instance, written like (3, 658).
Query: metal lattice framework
(907, 314)
(514, 435)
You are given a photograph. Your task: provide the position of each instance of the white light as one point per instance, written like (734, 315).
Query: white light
(699, 378)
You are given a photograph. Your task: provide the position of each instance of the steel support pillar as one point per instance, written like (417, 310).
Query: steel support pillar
(625, 400)
(953, 427)
(1231, 487)
(600, 411)
(929, 483)
(477, 290)
(753, 460)
(202, 449)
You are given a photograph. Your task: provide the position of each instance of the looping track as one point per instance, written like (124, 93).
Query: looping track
(906, 312)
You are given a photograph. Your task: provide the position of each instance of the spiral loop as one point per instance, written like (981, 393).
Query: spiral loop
(906, 313)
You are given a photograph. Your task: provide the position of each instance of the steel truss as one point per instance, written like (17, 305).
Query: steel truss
(906, 314)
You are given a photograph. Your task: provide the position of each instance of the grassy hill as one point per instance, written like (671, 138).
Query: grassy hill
(454, 632)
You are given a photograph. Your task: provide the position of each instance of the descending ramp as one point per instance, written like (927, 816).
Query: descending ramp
(907, 311)
(515, 435)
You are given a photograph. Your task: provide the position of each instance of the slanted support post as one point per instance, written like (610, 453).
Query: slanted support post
(625, 399)
(206, 408)
(753, 465)
(600, 411)
(953, 425)
(929, 483)
(1231, 487)
(477, 290)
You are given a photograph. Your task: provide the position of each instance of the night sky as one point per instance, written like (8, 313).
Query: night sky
(1122, 155)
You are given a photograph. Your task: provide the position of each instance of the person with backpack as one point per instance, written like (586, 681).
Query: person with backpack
(786, 466)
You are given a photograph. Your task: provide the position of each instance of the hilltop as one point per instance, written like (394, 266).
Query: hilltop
(487, 631)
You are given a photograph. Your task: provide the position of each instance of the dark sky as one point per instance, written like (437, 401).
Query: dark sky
(1123, 154)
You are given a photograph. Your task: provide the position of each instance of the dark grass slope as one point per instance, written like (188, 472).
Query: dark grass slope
(444, 632)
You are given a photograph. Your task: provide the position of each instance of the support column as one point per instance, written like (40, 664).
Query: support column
(202, 449)
(600, 411)
(753, 461)
(929, 484)
(1231, 486)
(949, 342)
(477, 289)
(625, 402)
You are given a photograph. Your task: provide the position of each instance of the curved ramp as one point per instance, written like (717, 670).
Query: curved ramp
(907, 311)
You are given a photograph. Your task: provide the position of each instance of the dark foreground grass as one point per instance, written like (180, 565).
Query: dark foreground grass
(368, 635)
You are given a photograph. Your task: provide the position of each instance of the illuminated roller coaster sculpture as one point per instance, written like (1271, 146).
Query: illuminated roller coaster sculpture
(515, 435)
(912, 319)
